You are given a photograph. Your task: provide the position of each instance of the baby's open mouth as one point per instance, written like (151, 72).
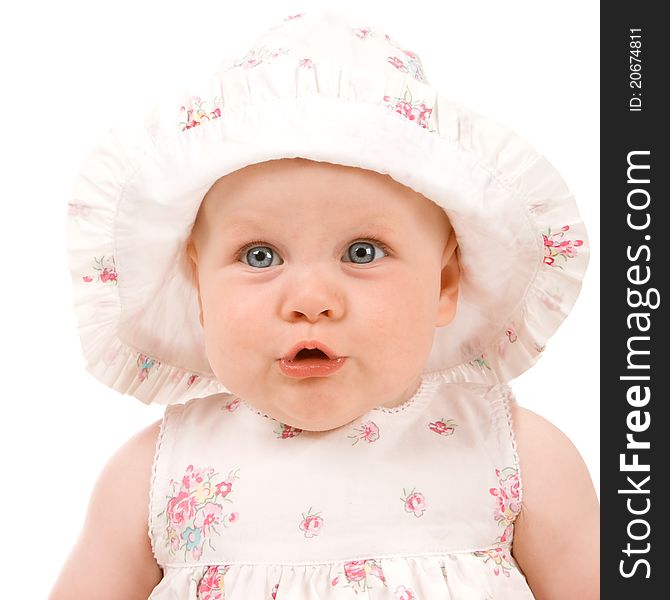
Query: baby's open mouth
(310, 353)
(310, 362)
(310, 350)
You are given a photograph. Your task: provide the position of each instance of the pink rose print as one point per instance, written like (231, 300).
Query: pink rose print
(105, 271)
(413, 111)
(364, 33)
(286, 431)
(307, 63)
(396, 62)
(367, 431)
(76, 209)
(224, 488)
(311, 523)
(291, 17)
(358, 575)
(231, 518)
(499, 558)
(273, 593)
(508, 503)
(443, 427)
(210, 586)
(413, 65)
(191, 380)
(257, 56)
(232, 405)
(197, 113)
(511, 334)
(195, 509)
(180, 508)
(557, 247)
(415, 502)
(206, 516)
(144, 364)
(403, 593)
(354, 570)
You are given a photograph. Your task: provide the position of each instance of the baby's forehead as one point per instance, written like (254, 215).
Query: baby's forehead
(299, 188)
(294, 175)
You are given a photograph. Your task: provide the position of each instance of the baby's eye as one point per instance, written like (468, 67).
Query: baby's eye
(364, 252)
(261, 256)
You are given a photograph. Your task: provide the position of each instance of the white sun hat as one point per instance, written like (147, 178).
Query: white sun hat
(325, 86)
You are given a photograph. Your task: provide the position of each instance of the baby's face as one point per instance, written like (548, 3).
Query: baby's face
(286, 252)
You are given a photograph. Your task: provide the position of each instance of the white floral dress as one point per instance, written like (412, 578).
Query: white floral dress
(416, 502)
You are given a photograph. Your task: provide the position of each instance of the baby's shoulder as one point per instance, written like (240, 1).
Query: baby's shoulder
(558, 503)
(130, 468)
(550, 465)
(122, 492)
(114, 538)
(538, 439)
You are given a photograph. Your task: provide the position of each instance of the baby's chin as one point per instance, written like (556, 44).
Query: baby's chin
(315, 414)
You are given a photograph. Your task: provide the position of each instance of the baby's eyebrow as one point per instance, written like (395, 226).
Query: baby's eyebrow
(241, 226)
(238, 226)
(245, 226)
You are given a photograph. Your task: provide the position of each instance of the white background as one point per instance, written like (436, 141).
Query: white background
(73, 68)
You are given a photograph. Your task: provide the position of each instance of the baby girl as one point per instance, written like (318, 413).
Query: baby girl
(329, 273)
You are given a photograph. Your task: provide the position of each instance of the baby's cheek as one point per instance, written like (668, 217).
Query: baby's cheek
(232, 329)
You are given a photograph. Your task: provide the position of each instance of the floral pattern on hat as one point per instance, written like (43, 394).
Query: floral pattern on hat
(198, 113)
(481, 361)
(408, 64)
(556, 246)
(258, 56)
(104, 271)
(416, 111)
(363, 33)
(78, 209)
(145, 364)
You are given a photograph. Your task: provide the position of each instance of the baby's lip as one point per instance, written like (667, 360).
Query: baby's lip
(310, 345)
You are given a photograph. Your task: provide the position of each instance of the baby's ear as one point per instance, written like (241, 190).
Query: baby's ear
(193, 272)
(451, 274)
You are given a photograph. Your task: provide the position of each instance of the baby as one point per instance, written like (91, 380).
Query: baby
(346, 262)
(303, 280)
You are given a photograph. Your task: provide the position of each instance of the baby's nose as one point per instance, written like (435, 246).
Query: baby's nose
(312, 296)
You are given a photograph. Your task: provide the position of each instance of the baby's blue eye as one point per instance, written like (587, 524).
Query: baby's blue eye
(262, 256)
(363, 252)
(359, 253)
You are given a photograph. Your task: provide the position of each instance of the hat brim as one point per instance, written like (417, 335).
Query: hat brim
(522, 245)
